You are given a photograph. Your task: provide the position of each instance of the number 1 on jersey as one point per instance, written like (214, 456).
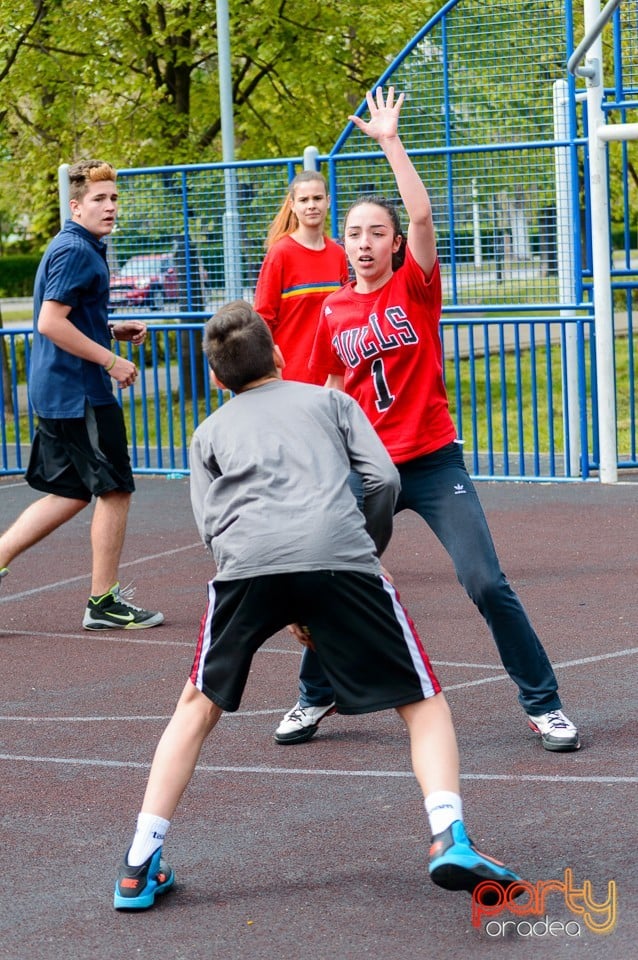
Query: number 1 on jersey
(385, 399)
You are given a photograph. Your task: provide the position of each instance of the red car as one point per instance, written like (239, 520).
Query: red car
(148, 280)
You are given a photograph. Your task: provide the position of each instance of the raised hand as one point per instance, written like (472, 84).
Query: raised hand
(384, 115)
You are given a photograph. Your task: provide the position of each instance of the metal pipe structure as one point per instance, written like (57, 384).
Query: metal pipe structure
(592, 32)
(232, 230)
(591, 47)
(566, 271)
(64, 192)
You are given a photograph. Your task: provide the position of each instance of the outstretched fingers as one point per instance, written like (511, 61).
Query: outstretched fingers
(384, 113)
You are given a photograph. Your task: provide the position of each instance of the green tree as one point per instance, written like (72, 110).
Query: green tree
(137, 81)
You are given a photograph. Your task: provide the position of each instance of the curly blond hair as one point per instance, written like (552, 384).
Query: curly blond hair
(89, 171)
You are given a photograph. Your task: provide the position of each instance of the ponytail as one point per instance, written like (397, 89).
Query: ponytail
(284, 223)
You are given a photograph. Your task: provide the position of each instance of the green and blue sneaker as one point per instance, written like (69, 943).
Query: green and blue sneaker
(456, 864)
(137, 887)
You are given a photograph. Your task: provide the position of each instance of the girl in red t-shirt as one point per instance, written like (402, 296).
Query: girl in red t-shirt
(378, 339)
(302, 265)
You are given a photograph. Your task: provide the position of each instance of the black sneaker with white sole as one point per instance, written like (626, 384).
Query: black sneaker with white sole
(114, 611)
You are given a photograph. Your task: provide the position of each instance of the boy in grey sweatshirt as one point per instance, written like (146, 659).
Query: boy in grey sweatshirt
(271, 499)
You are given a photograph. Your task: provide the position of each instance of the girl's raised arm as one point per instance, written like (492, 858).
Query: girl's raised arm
(383, 127)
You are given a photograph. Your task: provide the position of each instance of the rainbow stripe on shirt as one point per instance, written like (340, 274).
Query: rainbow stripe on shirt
(303, 289)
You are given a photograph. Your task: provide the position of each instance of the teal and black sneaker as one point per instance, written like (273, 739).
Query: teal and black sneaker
(3, 572)
(456, 864)
(114, 611)
(137, 887)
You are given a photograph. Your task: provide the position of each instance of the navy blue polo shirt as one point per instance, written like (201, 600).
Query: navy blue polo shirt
(72, 271)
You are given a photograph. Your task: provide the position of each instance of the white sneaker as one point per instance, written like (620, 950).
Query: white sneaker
(301, 723)
(557, 732)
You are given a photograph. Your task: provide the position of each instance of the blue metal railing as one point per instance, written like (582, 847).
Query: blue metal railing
(504, 378)
(481, 130)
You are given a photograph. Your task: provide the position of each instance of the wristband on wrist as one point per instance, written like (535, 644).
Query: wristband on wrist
(111, 364)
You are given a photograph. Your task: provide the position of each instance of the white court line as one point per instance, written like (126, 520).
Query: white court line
(114, 719)
(88, 635)
(87, 576)
(598, 658)
(240, 714)
(314, 772)
(460, 663)
(126, 637)
(131, 636)
(292, 771)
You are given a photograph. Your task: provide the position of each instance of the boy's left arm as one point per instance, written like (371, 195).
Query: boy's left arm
(381, 484)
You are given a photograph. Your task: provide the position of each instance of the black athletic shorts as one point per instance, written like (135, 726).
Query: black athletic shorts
(365, 640)
(81, 457)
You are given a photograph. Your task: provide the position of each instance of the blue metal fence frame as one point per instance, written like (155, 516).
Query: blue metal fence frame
(174, 392)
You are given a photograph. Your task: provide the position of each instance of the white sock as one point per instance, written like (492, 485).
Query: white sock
(149, 835)
(443, 808)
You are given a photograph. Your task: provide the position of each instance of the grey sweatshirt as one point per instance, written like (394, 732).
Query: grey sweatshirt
(269, 483)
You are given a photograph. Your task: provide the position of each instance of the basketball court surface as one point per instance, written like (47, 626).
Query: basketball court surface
(319, 851)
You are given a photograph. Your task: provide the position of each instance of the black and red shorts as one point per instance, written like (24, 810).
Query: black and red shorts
(364, 638)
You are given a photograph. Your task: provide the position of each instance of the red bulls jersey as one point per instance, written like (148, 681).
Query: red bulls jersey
(386, 346)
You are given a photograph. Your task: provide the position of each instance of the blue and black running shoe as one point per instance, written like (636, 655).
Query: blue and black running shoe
(456, 864)
(137, 887)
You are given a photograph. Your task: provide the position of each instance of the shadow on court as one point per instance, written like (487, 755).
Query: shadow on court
(320, 851)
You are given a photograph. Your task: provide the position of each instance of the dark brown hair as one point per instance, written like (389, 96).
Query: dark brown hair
(238, 345)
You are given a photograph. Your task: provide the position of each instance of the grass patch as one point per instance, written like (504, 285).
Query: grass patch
(518, 399)
(509, 402)
(16, 316)
(169, 422)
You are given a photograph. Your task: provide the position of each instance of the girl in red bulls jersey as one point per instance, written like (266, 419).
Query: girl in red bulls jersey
(302, 265)
(378, 339)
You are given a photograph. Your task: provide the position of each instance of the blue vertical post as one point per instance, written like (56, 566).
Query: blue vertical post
(566, 264)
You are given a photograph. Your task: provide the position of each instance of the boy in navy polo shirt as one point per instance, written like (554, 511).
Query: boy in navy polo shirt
(80, 448)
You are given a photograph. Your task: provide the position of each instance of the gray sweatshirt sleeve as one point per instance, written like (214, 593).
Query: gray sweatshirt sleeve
(380, 478)
(203, 470)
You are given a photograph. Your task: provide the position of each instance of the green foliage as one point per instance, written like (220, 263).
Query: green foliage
(618, 237)
(136, 81)
(17, 273)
